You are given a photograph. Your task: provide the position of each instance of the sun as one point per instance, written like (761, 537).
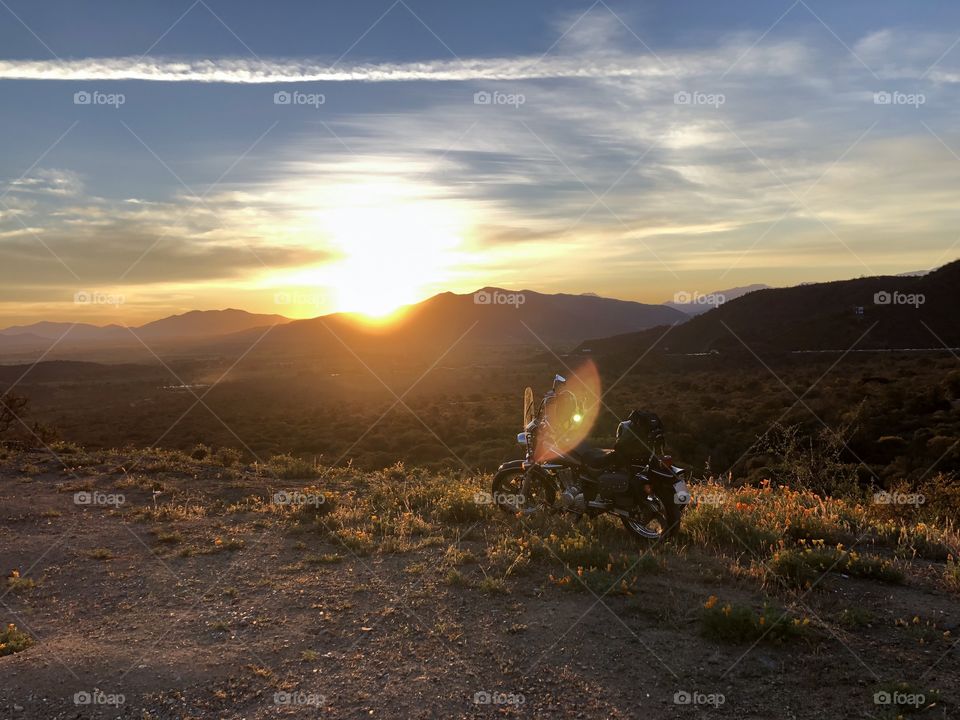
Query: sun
(392, 250)
(390, 241)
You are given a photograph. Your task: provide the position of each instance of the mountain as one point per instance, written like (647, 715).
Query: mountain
(56, 330)
(206, 323)
(490, 316)
(890, 312)
(189, 326)
(697, 303)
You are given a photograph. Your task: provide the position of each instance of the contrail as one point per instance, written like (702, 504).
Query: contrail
(238, 70)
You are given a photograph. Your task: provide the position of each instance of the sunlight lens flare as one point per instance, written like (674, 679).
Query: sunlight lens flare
(573, 412)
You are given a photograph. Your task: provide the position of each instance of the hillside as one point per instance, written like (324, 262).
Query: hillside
(397, 589)
(831, 316)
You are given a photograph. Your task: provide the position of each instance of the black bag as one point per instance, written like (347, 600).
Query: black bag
(639, 436)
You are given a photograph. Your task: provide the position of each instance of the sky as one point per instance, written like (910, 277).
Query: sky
(309, 157)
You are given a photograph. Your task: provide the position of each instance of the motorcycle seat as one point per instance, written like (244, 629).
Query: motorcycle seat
(592, 457)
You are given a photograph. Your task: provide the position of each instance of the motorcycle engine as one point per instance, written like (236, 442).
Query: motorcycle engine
(572, 499)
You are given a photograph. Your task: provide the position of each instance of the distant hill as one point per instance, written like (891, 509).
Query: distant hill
(491, 316)
(194, 325)
(206, 323)
(73, 331)
(818, 317)
(696, 305)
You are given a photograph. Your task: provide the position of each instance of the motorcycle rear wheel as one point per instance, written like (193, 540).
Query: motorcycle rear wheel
(657, 523)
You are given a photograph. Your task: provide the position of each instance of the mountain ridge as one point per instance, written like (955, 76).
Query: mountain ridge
(883, 312)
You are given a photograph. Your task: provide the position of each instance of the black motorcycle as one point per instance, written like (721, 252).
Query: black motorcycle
(635, 480)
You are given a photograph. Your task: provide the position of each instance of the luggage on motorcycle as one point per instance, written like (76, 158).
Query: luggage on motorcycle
(639, 436)
(612, 484)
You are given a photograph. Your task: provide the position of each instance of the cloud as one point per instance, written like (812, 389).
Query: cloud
(50, 181)
(241, 70)
(594, 51)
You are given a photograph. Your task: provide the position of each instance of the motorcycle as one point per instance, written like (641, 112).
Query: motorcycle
(635, 481)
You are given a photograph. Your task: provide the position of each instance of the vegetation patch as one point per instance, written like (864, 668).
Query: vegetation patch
(734, 623)
(13, 640)
(15, 583)
(288, 467)
(951, 575)
(802, 567)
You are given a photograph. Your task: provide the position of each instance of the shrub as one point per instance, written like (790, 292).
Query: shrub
(200, 452)
(856, 617)
(15, 583)
(13, 640)
(738, 623)
(228, 457)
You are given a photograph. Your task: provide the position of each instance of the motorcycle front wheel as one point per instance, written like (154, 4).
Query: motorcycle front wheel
(514, 492)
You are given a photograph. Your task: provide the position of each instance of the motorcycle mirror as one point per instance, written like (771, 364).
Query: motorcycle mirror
(558, 380)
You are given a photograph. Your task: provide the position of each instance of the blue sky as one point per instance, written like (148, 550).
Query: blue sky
(634, 149)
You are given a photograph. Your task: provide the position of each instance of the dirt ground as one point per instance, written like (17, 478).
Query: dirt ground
(258, 622)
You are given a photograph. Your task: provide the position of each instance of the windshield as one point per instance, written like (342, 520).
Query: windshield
(569, 413)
